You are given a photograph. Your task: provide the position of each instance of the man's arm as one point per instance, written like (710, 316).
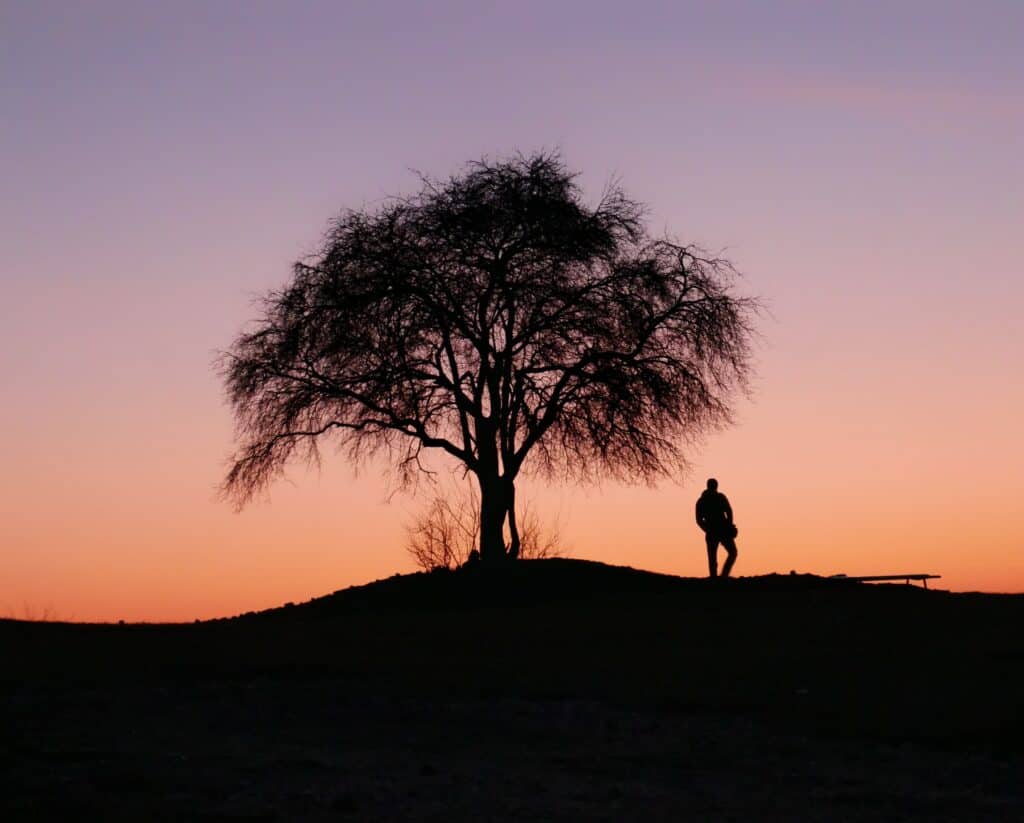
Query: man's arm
(727, 509)
(700, 515)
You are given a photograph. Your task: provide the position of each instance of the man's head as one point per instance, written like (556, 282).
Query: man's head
(712, 484)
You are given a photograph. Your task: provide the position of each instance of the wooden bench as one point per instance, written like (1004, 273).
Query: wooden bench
(877, 578)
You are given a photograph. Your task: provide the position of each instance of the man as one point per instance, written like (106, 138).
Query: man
(714, 516)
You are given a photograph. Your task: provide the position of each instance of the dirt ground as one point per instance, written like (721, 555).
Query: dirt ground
(271, 750)
(792, 705)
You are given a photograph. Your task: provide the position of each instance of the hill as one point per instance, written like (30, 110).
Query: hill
(534, 582)
(561, 689)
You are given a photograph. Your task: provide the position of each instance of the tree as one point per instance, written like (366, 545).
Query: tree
(447, 531)
(496, 318)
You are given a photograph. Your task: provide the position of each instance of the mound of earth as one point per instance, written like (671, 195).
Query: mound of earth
(557, 690)
(536, 582)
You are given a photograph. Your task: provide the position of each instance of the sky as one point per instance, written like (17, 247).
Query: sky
(164, 164)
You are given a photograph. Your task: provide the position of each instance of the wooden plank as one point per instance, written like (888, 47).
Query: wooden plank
(875, 578)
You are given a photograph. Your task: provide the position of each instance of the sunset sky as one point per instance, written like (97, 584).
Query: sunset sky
(163, 163)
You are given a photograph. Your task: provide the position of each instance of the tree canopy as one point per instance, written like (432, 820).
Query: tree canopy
(498, 318)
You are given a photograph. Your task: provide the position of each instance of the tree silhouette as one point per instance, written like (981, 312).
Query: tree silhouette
(498, 318)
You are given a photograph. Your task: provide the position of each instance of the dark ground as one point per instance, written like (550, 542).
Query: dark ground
(562, 690)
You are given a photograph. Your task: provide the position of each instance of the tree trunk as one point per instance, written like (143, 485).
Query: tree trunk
(513, 526)
(493, 508)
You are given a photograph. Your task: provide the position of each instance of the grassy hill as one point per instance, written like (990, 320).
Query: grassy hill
(620, 684)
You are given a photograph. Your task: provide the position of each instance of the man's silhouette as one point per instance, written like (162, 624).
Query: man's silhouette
(714, 516)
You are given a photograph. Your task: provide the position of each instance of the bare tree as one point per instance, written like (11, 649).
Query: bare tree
(447, 531)
(497, 318)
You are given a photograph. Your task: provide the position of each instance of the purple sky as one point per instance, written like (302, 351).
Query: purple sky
(861, 163)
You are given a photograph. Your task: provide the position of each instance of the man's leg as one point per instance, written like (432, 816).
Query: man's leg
(712, 543)
(729, 544)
